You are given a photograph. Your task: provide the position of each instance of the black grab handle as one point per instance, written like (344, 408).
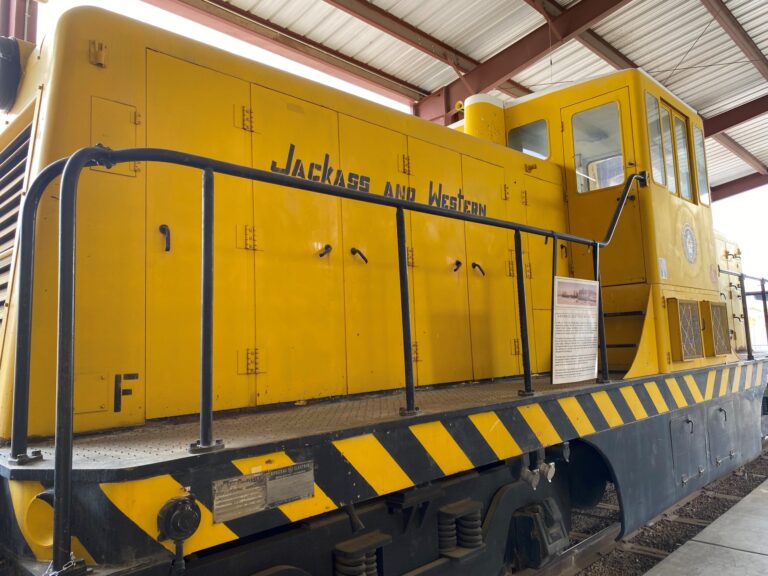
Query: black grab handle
(166, 231)
(358, 252)
(325, 251)
(476, 266)
(456, 265)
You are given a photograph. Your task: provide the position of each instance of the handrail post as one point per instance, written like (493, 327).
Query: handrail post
(552, 305)
(745, 308)
(605, 377)
(65, 374)
(522, 306)
(405, 311)
(765, 305)
(27, 223)
(206, 442)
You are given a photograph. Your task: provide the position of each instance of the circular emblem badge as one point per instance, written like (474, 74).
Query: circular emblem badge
(689, 243)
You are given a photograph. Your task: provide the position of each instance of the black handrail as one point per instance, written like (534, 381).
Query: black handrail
(67, 226)
(745, 308)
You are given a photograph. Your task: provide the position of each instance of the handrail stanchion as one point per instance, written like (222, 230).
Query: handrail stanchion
(405, 311)
(765, 305)
(26, 260)
(552, 304)
(745, 308)
(63, 447)
(605, 377)
(206, 442)
(523, 313)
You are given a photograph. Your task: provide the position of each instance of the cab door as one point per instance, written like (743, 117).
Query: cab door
(371, 161)
(599, 155)
(492, 288)
(182, 116)
(297, 237)
(442, 341)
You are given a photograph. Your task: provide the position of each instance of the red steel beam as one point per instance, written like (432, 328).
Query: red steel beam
(518, 56)
(245, 26)
(738, 150)
(18, 18)
(589, 39)
(739, 185)
(411, 35)
(735, 30)
(735, 116)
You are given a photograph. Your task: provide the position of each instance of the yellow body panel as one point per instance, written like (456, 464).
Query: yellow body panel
(294, 321)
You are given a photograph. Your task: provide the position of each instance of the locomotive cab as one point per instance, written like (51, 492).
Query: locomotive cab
(659, 273)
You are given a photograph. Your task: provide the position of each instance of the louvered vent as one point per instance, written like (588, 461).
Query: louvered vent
(13, 166)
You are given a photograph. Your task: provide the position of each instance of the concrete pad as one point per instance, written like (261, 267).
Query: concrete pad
(743, 527)
(698, 559)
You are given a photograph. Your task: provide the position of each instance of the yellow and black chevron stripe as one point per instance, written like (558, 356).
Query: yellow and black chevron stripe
(359, 465)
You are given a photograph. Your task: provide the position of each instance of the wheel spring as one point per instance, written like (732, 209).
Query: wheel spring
(365, 564)
(470, 530)
(371, 564)
(446, 533)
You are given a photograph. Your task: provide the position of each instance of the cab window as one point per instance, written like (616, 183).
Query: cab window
(654, 139)
(531, 139)
(669, 154)
(701, 165)
(683, 162)
(597, 148)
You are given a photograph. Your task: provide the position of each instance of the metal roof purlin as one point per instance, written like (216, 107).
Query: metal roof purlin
(739, 185)
(731, 26)
(735, 116)
(589, 39)
(411, 35)
(737, 149)
(516, 57)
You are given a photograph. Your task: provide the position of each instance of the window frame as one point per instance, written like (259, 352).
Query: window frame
(546, 133)
(622, 152)
(674, 116)
(708, 194)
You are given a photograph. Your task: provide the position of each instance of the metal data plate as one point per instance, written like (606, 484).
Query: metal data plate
(244, 495)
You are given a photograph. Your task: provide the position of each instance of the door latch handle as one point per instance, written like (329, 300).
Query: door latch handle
(476, 266)
(166, 231)
(357, 252)
(456, 265)
(689, 421)
(725, 413)
(325, 251)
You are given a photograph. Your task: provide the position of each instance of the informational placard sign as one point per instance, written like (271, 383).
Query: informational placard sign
(574, 330)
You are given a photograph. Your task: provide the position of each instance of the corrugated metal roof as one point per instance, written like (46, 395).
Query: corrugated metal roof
(723, 165)
(570, 63)
(678, 42)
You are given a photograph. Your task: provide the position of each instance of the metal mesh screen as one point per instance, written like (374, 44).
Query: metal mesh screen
(690, 330)
(720, 329)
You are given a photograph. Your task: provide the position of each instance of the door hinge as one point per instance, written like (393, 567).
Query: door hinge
(528, 271)
(409, 254)
(246, 238)
(136, 118)
(505, 192)
(405, 164)
(515, 347)
(248, 361)
(524, 197)
(247, 124)
(669, 358)
(415, 351)
(136, 167)
(511, 268)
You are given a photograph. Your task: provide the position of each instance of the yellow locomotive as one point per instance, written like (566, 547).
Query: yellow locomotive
(308, 317)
